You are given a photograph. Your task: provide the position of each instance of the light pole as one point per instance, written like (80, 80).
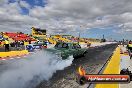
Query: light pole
(78, 37)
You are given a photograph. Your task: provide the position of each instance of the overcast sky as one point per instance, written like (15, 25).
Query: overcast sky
(92, 18)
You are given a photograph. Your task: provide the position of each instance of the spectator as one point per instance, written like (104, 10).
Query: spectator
(12, 44)
(129, 47)
(0, 42)
(16, 44)
(29, 41)
(22, 43)
(6, 45)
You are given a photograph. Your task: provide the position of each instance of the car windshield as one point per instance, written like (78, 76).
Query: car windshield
(62, 45)
(65, 45)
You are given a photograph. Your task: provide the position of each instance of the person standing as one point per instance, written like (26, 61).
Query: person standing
(129, 47)
(16, 44)
(123, 42)
(29, 41)
(6, 45)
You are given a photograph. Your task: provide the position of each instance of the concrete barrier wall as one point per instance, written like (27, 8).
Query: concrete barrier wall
(13, 53)
(113, 67)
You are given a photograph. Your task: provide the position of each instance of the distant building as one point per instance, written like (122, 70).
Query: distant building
(37, 32)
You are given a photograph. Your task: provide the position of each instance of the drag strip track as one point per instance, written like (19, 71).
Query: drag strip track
(92, 62)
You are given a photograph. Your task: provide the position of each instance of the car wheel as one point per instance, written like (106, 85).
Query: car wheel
(75, 56)
(84, 54)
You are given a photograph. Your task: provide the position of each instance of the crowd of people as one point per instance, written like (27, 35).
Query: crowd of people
(128, 44)
(11, 45)
(7, 45)
(14, 41)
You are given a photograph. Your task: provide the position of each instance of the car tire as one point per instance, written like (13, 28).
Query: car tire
(75, 56)
(78, 56)
(84, 54)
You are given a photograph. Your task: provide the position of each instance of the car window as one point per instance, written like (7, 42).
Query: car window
(76, 46)
(58, 45)
(65, 45)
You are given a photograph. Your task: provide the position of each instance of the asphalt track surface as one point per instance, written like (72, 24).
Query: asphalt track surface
(92, 62)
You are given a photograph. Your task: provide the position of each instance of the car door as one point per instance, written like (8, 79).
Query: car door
(65, 50)
(74, 49)
(77, 49)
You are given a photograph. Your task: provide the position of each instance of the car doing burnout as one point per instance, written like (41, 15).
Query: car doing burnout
(65, 50)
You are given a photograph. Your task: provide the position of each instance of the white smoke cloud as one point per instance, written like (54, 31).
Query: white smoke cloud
(32, 70)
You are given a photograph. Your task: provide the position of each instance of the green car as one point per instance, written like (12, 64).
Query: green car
(65, 50)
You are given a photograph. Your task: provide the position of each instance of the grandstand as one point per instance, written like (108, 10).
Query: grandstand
(18, 36)
(37, 32)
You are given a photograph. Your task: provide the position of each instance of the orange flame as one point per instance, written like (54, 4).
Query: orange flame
(81, 71)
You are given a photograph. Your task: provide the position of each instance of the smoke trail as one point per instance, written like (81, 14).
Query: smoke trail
(30, 71)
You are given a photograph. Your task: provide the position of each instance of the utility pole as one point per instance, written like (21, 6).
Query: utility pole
(103, 39)
(103, 36)
(78, 37)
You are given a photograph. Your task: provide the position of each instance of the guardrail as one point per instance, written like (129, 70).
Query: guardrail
(13, 53)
